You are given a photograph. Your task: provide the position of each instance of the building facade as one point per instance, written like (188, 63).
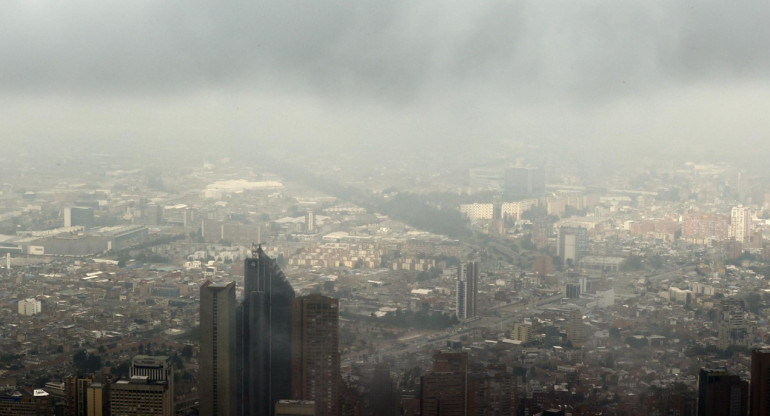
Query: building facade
(217, 381)
(740, 224)
(315, 353)
(264, 325)
(467, 289)
(444, 391)
(29, 307)
(760, 382)
(572, 244)
(721, 394)
(78, 216)
(148, 391)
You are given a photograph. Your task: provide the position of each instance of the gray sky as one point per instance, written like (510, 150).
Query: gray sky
(589, 73)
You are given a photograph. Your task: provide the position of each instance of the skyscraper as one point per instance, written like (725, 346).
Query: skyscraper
(310, 222)
(720, 393)
(740, 223)
(572, 243)
(75, 395)
(264, 325)
(467, 287)
(760, 382)
(444, 391)
(315, 353)
(576, 331)
(733, 324)
(217, 356)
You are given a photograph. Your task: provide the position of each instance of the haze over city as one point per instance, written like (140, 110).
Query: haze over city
(384, 208)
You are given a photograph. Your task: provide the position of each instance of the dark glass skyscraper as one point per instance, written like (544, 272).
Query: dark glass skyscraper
(264, 326)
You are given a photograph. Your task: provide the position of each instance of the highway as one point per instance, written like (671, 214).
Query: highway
(510, 313)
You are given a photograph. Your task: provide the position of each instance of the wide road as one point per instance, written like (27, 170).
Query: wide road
(509, 314)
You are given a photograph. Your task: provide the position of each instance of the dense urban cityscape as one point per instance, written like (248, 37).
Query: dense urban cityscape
(153, 291)
(381, 208)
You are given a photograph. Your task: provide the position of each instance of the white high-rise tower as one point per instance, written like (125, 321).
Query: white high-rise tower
(740, 223)
(467, 287)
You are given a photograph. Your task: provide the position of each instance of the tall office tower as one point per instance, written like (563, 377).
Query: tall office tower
(492, 390)
(75, 393)
(149, 391)
(444, 391)
(315, 359)
(467, 288)
(265, 333)
(733, 325)
(382, 392)
(217, 381)
(721, 394)
(310, 222)
(576, 332)
(740, 224)
(572, 243)
(760, 382)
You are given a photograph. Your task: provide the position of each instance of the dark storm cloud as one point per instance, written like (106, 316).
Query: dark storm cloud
(380, 50)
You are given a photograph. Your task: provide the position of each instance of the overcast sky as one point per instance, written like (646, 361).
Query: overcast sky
(590, 73)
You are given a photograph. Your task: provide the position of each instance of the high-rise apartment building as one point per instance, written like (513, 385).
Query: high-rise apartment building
(760, 382)
(458, 387)
(310, 222)
(740, 224)
(467, 289)
(721, 394)
(315, 353)
(444, 391)
(217, 381)
(572, 244)
(264, 324)
(733, 325)
(75, 395)
(522, 331)
(576, 331)
(29, 307)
